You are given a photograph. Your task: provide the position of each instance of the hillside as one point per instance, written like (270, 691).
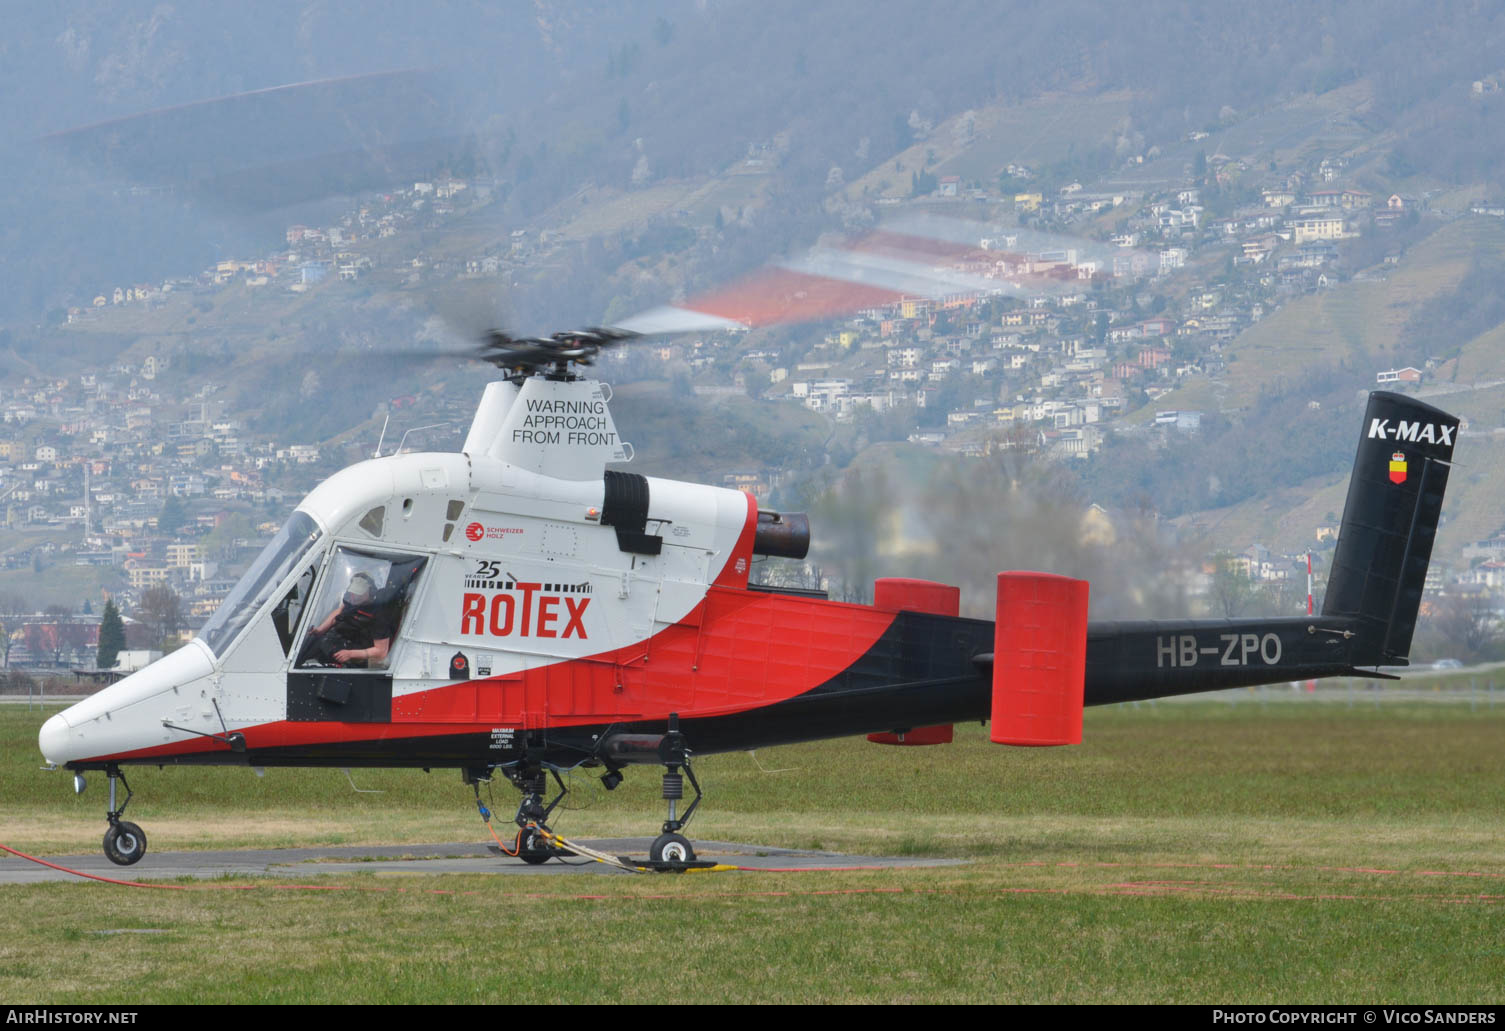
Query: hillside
(1359, 325)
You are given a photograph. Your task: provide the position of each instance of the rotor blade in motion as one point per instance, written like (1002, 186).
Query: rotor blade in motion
(919, 258)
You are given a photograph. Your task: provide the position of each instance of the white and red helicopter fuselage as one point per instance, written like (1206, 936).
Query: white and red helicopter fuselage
(566, 607)
(533, 610)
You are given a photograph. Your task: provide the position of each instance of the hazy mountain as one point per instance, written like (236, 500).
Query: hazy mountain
(560, 95)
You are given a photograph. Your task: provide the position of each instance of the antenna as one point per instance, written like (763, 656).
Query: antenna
(415, 429)
(377, 452)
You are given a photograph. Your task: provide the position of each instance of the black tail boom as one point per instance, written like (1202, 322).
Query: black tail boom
(1129, 661)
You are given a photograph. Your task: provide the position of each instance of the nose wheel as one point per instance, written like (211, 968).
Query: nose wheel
(124, 843)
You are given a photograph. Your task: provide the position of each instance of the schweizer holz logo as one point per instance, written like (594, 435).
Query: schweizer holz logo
(474, 531)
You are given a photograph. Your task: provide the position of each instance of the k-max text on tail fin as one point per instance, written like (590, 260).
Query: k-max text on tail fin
(1373, 591)
(1390, 523)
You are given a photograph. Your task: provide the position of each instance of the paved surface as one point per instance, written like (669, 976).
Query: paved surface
(293, 864)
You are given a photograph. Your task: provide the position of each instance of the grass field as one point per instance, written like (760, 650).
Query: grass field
(1268, 850)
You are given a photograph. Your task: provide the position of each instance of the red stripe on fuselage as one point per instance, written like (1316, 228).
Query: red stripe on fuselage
(738, 651)
(738, 564)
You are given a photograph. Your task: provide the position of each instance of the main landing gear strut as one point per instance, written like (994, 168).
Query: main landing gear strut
(536, 842)
(124, 843)
(533, 812)
(671, 846)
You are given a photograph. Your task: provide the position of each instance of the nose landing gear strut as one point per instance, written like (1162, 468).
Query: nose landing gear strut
(124, 842)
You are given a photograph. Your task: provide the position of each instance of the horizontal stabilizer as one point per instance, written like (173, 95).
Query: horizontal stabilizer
(1039, 659)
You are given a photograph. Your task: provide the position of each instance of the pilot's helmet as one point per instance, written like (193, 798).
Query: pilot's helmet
(360, 589)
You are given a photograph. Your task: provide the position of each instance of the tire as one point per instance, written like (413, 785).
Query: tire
(532, 850)
(671, 848)
(125, 843)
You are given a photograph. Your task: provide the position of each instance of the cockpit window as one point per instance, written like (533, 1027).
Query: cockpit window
(359, 608)
(288, 611)
(371, 522)
(292, 543)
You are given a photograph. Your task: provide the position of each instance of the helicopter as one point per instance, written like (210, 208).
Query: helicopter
(519, 609)
(525, 607)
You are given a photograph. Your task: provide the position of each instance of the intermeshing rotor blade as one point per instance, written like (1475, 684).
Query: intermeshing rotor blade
(923, 258)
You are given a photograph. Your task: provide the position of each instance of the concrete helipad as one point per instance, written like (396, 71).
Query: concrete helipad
(445, 858)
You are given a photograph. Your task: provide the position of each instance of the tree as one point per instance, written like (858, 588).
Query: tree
(161, 611)
(1232, 587)
(1469, 625)
(1014, 508)
(74, 637)
(220, 543)
(12, 607)
(111, 637)
(64, 635)
(51, 638)
(171, 520)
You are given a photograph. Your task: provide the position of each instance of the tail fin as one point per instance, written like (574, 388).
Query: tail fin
(1389, 524)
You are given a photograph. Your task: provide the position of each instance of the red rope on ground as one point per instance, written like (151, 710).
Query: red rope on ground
(95, 876)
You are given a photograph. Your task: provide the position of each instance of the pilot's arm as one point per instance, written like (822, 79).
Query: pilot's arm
(373, 655)
(323, 628)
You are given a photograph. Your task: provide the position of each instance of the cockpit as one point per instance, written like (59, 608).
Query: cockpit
(360, 607)
(358, 598)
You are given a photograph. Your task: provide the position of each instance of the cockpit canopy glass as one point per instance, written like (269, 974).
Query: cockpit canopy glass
(276, 561)
(358, 609)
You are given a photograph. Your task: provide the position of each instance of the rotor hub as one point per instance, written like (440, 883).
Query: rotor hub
(553, 356)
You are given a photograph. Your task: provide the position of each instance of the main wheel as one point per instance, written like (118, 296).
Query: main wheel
(671, 848)
(124, 843)
(532, 849)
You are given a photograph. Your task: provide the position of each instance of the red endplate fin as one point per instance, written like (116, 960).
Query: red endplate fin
(896, 594)
(1039, 659)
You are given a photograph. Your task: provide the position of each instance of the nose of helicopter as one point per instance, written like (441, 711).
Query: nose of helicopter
(126, 716)
(53, 739)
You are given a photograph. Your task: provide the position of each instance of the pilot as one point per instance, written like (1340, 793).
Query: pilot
(357, 634)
